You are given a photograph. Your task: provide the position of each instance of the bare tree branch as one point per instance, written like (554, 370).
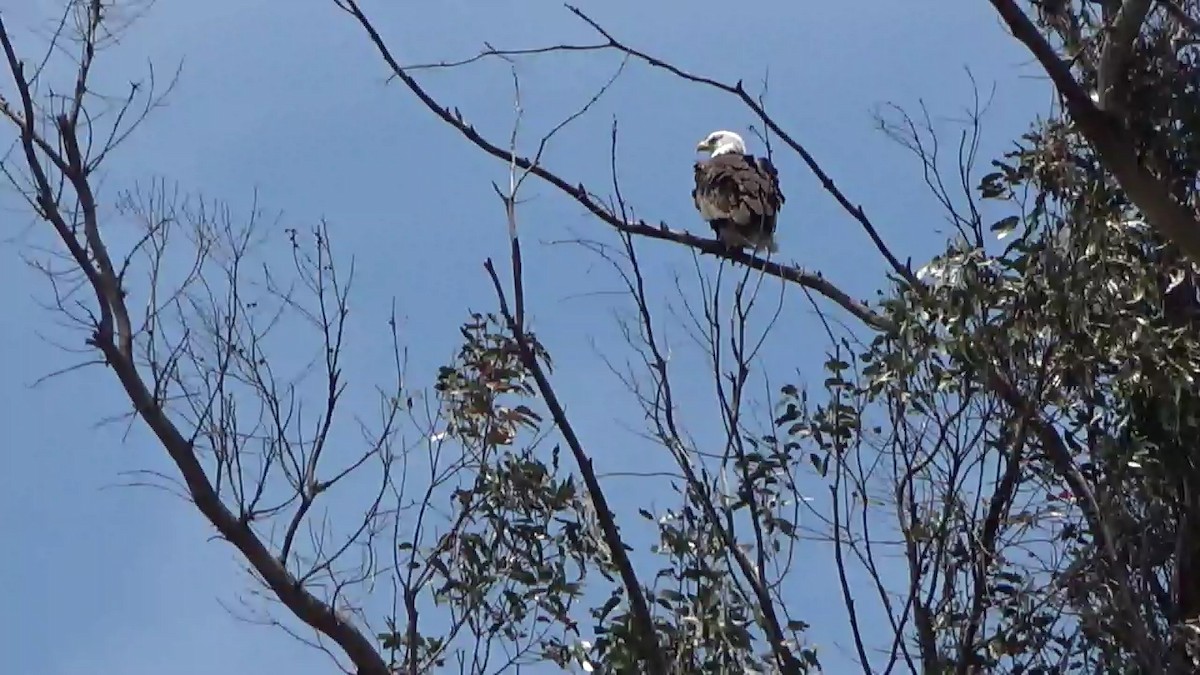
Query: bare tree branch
(1114, 55)
(113, 335)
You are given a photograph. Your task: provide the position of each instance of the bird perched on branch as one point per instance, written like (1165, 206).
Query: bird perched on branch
(737, 193)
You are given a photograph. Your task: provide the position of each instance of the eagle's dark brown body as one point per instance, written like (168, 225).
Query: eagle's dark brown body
(738, 194)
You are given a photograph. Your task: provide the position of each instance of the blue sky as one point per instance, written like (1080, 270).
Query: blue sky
(289, 99)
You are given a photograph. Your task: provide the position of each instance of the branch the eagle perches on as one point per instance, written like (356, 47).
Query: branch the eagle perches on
(593, 204)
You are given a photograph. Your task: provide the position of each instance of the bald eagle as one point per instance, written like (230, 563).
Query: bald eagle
(736, 193)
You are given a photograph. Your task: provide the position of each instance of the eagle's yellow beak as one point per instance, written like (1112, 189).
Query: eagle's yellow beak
(703, 146)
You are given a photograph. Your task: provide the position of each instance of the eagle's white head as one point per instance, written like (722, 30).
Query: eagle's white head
(722, 142)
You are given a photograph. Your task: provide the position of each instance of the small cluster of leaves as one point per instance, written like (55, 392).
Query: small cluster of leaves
(521, 554)
(707, 622)
(514, 560)
(833, 427)
(489, 368)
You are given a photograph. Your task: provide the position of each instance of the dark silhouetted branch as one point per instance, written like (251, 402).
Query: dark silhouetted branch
(648, 647)
(113, 335)
(1181, 15)
(1104, 132)
(647, 640)
(1118, 47)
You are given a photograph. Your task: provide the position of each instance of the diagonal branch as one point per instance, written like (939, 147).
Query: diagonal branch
(1104, 132)
(1063, 461)
(647, 641)
(1179, 14)
(998, 510)
(1118, 47)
